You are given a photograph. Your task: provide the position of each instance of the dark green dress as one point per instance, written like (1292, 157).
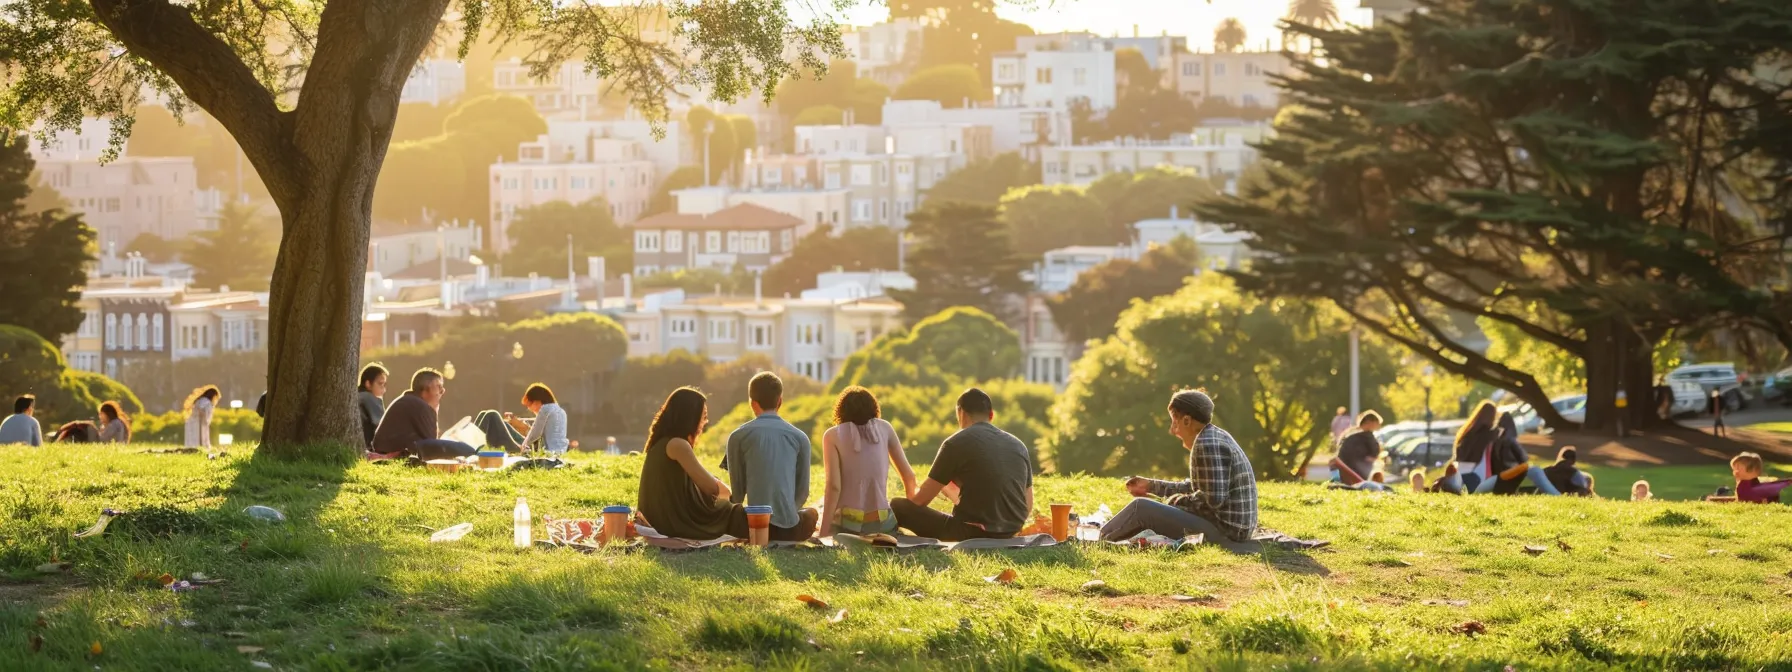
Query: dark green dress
(672, 503)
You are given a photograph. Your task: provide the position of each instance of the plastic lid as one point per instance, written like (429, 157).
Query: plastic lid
(617, 508)
(492, 453)
(759, 509)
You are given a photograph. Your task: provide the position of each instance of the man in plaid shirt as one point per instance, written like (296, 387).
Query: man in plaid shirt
(1218, 500)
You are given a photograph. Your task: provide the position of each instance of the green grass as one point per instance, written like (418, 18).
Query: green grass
(350, 582)
(1777, 427)
(1680, 483)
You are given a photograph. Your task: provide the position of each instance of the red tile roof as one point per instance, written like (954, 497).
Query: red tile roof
(743, 217)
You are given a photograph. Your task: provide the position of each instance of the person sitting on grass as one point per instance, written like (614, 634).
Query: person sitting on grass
(1510, 465)
(198, 409)
(1639, 492)
(768, 462)
(1358, 451)
(409, 425)
(1747, 468)
(987, 474)
(856, 454)
(1218, 500)
(677, 496)
(1568, 478)
(114, 426)
(549, 426)
(21, 427)
(370, 396)
(1473, 445)
(79, 431)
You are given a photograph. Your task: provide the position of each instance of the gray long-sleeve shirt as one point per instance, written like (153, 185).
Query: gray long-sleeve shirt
(768, 464)
(21, 428)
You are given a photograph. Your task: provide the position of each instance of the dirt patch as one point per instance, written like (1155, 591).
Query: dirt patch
(1660, 448)
(45, 592)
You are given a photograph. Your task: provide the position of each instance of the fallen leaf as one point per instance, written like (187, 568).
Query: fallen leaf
(1535, 550)
(249, 649)
(812, 601)
(166, 580)
(41, 623)
(1444, 603)
(1714, 551)
(813, 645)
(1006, 577)
(1563, 545)
(1470, 628)
(1097, 586)
(838, 616)
(198, 576)
(262, 665)
(37, 642)
(916, 596)
(1187, 598)
(95, 648)
(1664, 556)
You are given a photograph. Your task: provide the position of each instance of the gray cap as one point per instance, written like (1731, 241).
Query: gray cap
(1195, 404)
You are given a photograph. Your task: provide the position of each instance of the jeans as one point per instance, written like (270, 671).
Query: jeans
(806, 521)
(926, 522)
(498, 433)
(1538, 478)
(437, 449)
(1145, 513)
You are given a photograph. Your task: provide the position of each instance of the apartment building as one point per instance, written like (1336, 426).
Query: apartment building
(1157, 51)
(1024, 130)
(435, 81)
(740, 235)
(613, 169)
(132, 196)
(135, 325)
(206, 324)
(802, 200)
(887, 52)
(880, 189)
(566, 88)
(812, 337)
(973, 141)
(392, 254)
(1054, 79)
(1239, 78)
(1217, 154)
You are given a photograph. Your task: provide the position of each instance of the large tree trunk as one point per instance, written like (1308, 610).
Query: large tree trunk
(1619, 360)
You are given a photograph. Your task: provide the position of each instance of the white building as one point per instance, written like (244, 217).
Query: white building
(393, 254)
(810, 204)
(858, 284)
(1216, 154)
(748, 236)
(613, 169)
(1156, 50)
(1239, 78)
(1058, 269)
(1024, 130)
(886, 52)
(435, 81)
(812, 337)
(1054, 79)
(128, 196)
(582, 141)
(566, 88)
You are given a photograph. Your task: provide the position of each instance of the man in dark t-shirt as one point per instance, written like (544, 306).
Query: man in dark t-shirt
(985, 471)
(1359, 448)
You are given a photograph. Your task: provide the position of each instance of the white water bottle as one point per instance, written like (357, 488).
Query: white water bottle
(522, 523)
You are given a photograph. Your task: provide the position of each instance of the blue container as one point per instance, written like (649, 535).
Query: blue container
(759, 509)
(617, 508)
(492, 453)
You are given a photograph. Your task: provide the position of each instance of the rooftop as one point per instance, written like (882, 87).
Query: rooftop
(742, 217)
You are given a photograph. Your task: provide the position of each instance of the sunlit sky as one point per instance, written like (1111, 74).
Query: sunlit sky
(1194, 19)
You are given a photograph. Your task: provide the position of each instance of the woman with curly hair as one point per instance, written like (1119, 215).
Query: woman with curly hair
(115, 427)
(857, 453)
(198, 409)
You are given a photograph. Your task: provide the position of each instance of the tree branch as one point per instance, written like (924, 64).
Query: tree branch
(211, 74)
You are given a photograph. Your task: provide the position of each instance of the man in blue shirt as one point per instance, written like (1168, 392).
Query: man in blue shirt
(21, 427)
(768, 462)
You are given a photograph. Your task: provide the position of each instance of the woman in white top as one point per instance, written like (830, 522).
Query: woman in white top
(198, 410)
(857, 453)
(550, 421)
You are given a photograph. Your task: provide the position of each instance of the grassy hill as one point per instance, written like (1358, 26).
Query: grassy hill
(350, 582)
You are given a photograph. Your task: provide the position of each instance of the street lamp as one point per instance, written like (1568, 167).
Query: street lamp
(1426, 378)
(448, 370)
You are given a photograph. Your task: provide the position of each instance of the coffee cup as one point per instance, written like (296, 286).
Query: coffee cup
(1060, 521)
(759, 525)
(616, 523)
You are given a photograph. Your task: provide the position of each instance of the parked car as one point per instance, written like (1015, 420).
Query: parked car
(1429, 453)
(1525, 416)
(1573, 408)
(1720, 378)
(1777, 386)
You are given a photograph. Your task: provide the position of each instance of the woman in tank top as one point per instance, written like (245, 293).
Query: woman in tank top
(857, 453)
(678, 497)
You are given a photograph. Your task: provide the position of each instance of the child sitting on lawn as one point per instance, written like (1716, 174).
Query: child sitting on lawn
(1639, 492)
(1749, 488)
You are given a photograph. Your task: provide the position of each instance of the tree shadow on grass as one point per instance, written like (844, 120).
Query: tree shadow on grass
(1294, 562)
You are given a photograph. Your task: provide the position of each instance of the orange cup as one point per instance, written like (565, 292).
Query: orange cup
(1060, 521)
(759, 525)
(615, 524)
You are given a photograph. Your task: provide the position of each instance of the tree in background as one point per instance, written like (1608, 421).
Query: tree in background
(864, 248)
(962, 256)
(950, 85)
(967, 32)
(1091, 308)
(684, 177)
(43, 254)
(241, 375)
(1229, 36)
(819, 115)
(1320, 13)
(735, 281)
(959, 345)
(1276, 369)
(1151, 193)
(1580, 199)
(239, 254)
(420, 121)
(638, 389)
(986, 181)
(1150, 112)
(29, 364)
(311, 93)
(539, 238)
(723, 135)
(840, 87)
(448, 172)
(1042, 218)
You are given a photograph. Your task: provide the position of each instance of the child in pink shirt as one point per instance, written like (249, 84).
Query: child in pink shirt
(1749, 488)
